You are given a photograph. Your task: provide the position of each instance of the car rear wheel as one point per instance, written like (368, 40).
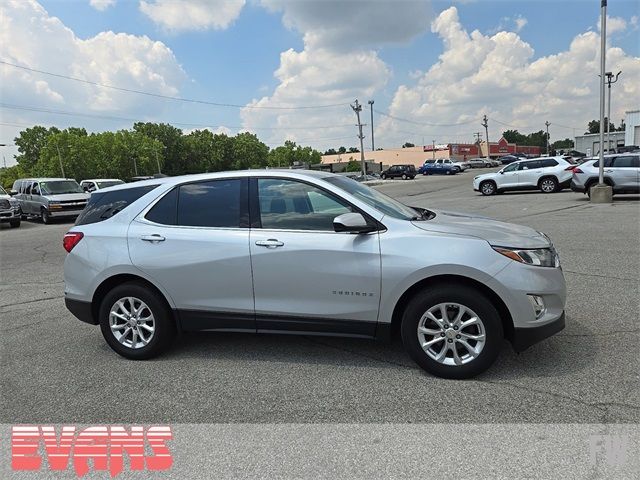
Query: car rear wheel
(136, 322)
(452, 331)
(488, 188)
(548, 185)
(404, 176)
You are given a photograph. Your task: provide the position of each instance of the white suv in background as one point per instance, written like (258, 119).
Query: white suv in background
(548, 174)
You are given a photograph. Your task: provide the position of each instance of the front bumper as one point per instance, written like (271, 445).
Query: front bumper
(523, 338)
(10, 214)
(64, 213)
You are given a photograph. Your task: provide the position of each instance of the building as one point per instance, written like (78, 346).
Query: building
(590, 142)
(464, 151)
(632, 128)
(403, 156)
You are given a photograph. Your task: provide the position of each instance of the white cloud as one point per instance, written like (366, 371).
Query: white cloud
(32, 38)
(614, 24)
(102, 5)
(516, 24)
(498, 75)
(185, 15)
(521, 22)
(338, 64)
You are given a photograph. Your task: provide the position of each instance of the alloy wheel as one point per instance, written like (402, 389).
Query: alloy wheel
(451, 334)
(132, 322)
(548, 185)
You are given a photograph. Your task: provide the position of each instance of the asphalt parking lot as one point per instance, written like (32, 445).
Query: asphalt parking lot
(55, 369)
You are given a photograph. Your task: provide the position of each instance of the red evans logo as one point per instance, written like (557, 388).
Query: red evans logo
(100, 448)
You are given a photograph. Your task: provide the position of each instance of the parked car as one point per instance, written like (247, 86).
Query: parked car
(459, 166)
(9, 209)
(479, 163)
(507, 159)
(548, 174)
(621, 171)
(50, 198)
(495, 162)
(311, 253)
(431, 168)
(399, 171)
(99, 183)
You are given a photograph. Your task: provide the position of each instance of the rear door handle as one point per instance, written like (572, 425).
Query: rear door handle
(152, 238)
(609, 171)
(270, 243)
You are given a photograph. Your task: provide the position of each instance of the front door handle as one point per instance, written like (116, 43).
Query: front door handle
(609, 171)
(270, 243)
(152, 238)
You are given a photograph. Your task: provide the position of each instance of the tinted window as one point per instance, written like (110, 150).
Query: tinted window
(549, 162)
(530, 165)
(109, 183)
(165, 211)
(291, 205)
(626, 162)
(28, 189)
(215, 203)
(607, 162)
(510, 168)
(104, 205)
(59, 187)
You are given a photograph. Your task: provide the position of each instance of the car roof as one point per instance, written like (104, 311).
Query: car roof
(44, 179)
(102, 180)
(275, 172)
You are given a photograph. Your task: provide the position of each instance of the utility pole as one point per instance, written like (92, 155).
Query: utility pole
(609, 76)
(603, 48)
(358, 108)
(373, 147)
(158, 162)
(485, 124)
(433, 143)
(547, 124)
(60, 160)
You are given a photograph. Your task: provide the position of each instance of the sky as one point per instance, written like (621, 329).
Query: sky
(289, 69)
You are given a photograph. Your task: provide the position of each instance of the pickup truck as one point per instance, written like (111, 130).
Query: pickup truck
(459, 166)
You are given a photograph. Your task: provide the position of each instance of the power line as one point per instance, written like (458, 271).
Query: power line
(126, 119)
(424, 123)
(170, 97)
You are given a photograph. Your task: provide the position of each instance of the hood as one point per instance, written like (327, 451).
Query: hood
(497, 233)
(68, 196)
(5, 197)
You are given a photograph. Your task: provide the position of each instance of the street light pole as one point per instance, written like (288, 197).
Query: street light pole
(371, 102)
(357, 108)
(609, 76)
(547, 125)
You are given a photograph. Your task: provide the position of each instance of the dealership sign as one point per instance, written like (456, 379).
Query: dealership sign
(43, 447)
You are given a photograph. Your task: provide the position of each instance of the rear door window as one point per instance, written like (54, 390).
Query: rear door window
(215, 203)
(549, 162)
(626, 162)
(104, 205)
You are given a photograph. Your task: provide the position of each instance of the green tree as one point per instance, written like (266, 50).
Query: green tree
(353, 150)
(29, 142)
(513, 136)
(566, 143)
(248, 152)
(353, 166)
(342, 150)
(172, 140)
(594, 126)
(290, 154)
(331, 151)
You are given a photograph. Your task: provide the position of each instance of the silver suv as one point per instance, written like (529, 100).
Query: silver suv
(621, 171)
(50, 198)
(311, 253)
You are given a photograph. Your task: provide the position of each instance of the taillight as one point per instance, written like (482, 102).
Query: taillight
(577, 170)
(71, 239)
(571, 168)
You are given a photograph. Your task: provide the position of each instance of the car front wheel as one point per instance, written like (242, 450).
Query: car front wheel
(136, 322)
(44, 216)
(452, 331)
(383, 176)
(488, 188)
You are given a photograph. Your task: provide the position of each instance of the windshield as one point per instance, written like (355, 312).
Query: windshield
(60, 187)
(3, 191)
(109, 183)
(373, 198)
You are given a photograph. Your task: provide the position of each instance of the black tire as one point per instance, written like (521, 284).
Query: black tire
(488, 188)
(463, 295)
(44, 216)
(456, 169)
(404, 176)
(383, 176)
(447, 172)
(14, 223)
(164, 328)
(548, 185)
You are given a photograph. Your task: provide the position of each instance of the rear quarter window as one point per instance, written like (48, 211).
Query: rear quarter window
(104, 205)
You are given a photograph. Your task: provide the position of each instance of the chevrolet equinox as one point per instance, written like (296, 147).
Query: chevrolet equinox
(309, 253)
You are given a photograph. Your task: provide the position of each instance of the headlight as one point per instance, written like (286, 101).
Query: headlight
(541, 257)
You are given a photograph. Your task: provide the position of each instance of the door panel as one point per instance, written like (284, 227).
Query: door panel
(306, 277)
(205, 268)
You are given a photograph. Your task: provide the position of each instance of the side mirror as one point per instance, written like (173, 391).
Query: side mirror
(12, 192)
(352, 223)
(85, 188)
